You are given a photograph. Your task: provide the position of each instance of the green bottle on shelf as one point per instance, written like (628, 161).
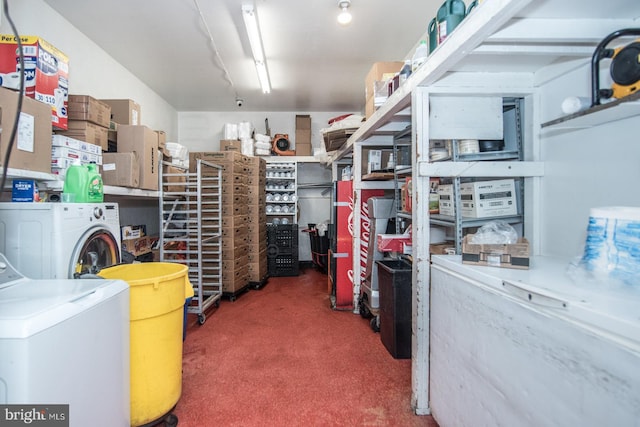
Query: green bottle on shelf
(95, 186)
(83, 184)
(75, 184)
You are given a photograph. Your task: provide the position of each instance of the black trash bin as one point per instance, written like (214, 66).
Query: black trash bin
(394, 281)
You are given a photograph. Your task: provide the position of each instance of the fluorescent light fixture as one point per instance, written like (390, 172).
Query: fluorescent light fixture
(344, 18)
(255, 40)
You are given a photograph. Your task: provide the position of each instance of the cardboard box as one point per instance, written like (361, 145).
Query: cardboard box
(303, 136)
(121, 169)
(46, 73)
(228, 242)
(234, 178)
(236, 251)
(446, 202)
(258, 271)
(139, 246)
(231, 208)
(235, 221)
(65, 141)
(25, 190)
(162, 139)
(257, 214)
(133, 231)
(303, 149)
(88, 132)
(303, 121)
(257, 166)
(496, 255)
(444, 248)
(124, 111)
(112, 140)
(380, 71)
(229, 191)
(392, 242)
(231, 161)
(230, 145)
(235, 280)
(375, 159)
(483, 199)
(175, 178)
(369, 107)
(255, 180)
(32, 146)
(65, 153)
(144, 141)
(84, 107)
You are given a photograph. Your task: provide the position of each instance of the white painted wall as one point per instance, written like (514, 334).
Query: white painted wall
(91, 70)
(593, 167)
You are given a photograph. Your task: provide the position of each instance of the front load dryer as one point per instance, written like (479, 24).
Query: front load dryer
(60, 240)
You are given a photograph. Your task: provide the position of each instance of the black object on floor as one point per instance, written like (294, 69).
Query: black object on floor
(394, 279)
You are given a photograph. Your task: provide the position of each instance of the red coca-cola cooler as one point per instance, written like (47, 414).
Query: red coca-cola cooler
(342, 256)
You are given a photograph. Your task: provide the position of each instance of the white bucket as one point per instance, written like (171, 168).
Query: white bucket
(613, 243)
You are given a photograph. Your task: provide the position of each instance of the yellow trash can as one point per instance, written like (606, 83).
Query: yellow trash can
(158, 291)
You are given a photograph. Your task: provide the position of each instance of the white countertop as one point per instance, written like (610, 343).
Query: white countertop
(552, 286)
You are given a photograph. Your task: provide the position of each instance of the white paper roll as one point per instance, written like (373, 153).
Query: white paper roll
(612, 246)
(573, 104)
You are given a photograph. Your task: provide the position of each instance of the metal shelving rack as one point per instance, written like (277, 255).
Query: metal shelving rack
(513, 151)
(282, 192)
(191, 229)
(402, 171)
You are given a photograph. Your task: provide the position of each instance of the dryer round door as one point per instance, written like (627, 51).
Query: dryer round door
(97, 249)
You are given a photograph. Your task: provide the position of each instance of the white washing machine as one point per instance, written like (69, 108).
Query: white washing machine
(60, 240)
(64, 342)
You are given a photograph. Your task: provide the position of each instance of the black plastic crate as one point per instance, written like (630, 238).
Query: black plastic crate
(283, 265)
(282, 239)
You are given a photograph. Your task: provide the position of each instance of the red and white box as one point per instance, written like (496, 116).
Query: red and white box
(400, 243)
(46, 71)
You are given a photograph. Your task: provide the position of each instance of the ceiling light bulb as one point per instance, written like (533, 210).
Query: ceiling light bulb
(344, 17)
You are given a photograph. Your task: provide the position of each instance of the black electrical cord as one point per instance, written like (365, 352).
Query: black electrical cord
(14, 130)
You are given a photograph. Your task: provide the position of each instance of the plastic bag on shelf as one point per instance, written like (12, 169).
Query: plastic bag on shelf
(495, 232)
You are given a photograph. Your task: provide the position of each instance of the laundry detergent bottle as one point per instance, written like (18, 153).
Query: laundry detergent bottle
(83, 184)
(95, 186)
(75, 184)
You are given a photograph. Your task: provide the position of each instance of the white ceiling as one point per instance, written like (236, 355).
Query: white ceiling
(314, 63)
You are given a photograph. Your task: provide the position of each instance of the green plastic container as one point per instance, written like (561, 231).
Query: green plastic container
(449, 16)
(95, 186)
(83, 184)
(433, 35)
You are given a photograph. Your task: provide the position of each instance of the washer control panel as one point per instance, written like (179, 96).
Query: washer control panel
(97, 212)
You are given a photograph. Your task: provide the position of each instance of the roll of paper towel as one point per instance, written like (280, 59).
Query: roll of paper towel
(573, 104)
(613, 243)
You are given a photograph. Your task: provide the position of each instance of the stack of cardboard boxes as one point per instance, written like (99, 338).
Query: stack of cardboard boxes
(235, 251)
(143, 141)
(303, 135)
(133, 160)
(88, 120)
(257, 229)
(376, 84)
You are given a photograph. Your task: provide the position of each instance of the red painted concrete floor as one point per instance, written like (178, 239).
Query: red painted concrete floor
(280, 356)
